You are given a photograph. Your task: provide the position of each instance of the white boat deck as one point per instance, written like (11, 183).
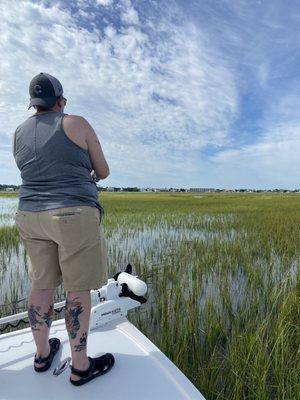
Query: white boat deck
(141, 371)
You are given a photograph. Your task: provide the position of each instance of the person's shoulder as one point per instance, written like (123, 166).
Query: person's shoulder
(77, 120)
(21, 125)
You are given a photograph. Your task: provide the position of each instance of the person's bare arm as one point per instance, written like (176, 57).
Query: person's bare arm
(99, 163)
(13, 144)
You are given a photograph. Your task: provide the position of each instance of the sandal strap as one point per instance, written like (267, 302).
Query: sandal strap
(54, 343)
(86, 373)
(40, 360)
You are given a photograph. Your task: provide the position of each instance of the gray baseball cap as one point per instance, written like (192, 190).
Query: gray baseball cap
(44, 90)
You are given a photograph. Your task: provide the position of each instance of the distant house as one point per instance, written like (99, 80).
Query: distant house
(110, 189)
(162, 189)
(201, 190)
(9, 189)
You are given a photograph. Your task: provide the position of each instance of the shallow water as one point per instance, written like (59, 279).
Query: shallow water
(8, 207)
(160, 245)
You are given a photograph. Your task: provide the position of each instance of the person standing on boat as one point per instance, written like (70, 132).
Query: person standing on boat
(59, 219)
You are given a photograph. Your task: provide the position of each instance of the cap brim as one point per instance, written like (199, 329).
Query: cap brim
(46, 102)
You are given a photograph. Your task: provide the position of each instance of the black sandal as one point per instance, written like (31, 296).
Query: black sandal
(54, 347)
(103, 363)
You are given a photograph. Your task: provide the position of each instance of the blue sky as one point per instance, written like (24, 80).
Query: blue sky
(180, 93)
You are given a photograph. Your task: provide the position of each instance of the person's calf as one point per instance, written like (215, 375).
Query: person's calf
(40, 315)
(77, 317)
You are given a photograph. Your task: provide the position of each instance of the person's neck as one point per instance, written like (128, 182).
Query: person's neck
(43, 112)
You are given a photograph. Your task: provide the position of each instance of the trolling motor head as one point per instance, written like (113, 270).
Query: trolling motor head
(128, 269)
(131, 286)
(112, 301)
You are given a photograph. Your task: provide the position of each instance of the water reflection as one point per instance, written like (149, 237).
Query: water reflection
(8, 207)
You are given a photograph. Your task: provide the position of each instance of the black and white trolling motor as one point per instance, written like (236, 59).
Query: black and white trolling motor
(121, 293)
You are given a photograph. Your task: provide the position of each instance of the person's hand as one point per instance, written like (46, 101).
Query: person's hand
(94, 176)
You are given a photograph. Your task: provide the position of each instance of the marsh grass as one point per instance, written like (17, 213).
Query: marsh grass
(223, 284)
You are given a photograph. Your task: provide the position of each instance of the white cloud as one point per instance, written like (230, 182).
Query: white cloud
(104, 3)
(157, 89)
(130, 15)
(152, 94)
(274, 158)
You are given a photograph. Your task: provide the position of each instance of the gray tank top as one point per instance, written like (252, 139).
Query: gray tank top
(55, 171)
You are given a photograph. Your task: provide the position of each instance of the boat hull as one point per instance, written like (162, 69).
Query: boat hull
(141, 371)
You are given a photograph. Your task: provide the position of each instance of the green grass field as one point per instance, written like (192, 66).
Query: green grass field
(223, 284)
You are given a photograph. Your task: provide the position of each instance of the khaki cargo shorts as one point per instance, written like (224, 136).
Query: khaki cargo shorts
(64, 245)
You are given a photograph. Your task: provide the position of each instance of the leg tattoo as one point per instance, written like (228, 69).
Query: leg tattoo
(82, 345)
(32, 313)
(73, 309)
(48, 316)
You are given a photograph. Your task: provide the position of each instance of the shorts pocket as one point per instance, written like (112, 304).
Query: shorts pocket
(66, 215)
(20, 213)
(74, 228)
(19, 216)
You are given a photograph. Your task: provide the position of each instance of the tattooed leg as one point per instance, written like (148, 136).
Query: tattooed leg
(48, 316)
(40, 314)
(77, 316)
(73, 310)
(82, 342)
(33, 312)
